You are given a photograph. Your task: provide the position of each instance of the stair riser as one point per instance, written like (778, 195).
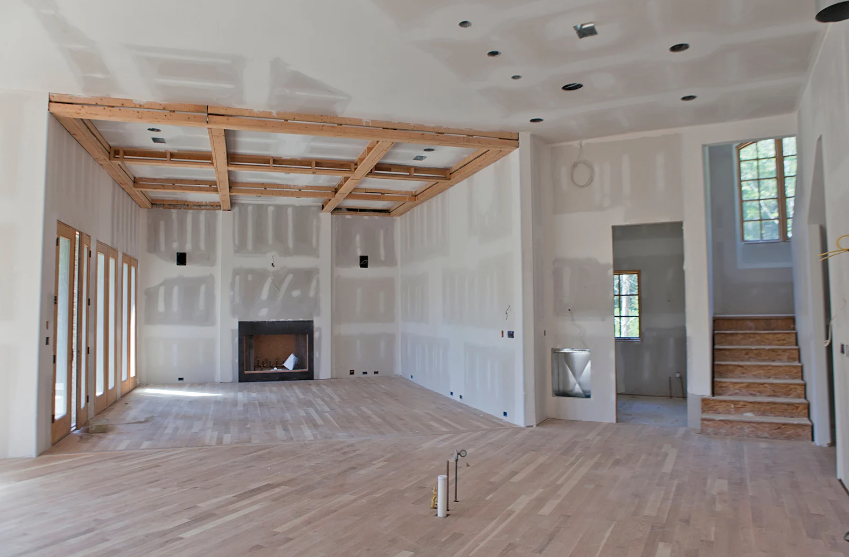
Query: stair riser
(781, 409)
(755, 324)
(756, 355)
(754, 339)
(795, 432)
(721, 388)
(742, 371)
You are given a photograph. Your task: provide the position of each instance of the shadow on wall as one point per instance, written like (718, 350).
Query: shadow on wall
(81, 53)
(490, 210)
(425, 231)
(488, 379)
(289, 230)
(260, 294)
(479, 297)
(371, 236)
(294, 91)
(192, 76)
(181, 301)
(191, 232)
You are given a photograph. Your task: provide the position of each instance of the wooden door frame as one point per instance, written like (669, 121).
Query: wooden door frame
(61, 427)
(127, 351)
(110, 328)
(84, 326)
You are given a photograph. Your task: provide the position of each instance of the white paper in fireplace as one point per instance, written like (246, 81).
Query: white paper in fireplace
(290, 362)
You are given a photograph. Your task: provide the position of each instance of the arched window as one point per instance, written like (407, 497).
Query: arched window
(767, 189)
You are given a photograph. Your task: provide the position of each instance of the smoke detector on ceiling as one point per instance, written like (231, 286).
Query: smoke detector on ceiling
(585, 30)
(831, 11)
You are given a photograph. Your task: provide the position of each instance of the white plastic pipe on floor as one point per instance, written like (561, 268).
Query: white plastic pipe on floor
(441, 496)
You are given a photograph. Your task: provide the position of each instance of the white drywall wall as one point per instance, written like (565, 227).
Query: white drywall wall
(747, 278)
(824, 127)
(461, 286)
(82, 195)
(639, 178)
(23, 149)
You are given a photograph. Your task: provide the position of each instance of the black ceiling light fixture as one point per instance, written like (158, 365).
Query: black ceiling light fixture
(493, 53)
(154, 130)
(831, 11)
(689, 98)
(572, 86)
(515, 77)
(585, 30)
(465, 24)
(680, 47)
(536, 120)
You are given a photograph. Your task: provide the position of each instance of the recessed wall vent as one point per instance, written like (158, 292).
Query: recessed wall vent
(158, 139)
(585, 30)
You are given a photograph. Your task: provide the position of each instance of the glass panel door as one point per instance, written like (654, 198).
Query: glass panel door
(106, 389)
(129, 268)
(63, 330)
(83, 350)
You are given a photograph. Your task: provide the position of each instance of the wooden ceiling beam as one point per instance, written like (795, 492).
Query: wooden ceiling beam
(124, 110)
(152, 157)
(365, 163)
(219, 159)
(97, 147)
(181, 204)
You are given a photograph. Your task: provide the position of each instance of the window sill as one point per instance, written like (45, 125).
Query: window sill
(623, 339)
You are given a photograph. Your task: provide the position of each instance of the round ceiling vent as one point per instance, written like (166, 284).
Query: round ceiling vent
(681, 47)
(536, 120)
(493, 53)
(465, 24)
(831, 11)
(689, 98)
(572, 86)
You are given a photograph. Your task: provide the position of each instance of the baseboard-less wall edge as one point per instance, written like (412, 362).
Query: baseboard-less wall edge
(694, 411)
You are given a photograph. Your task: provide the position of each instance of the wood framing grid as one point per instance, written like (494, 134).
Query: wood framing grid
(76, 113)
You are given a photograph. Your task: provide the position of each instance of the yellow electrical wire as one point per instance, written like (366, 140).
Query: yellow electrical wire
(840, 249)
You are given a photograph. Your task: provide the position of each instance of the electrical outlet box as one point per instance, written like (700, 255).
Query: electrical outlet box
(181, 259)
(364, 262)
(505, 414)
(461, 397)
(179, 379)
(352, 372)
(376, 372)
(510, 334)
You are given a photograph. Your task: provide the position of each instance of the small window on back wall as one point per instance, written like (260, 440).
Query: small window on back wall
(767, 189)
(626, 305)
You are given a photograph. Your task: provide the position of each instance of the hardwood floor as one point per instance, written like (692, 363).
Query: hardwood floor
(362, 485)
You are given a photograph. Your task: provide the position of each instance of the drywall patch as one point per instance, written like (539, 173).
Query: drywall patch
(581, 287)
(192, 232)
(424, 231)
(263, 295)
(294, 91)
(489, 378)
(427, 359)
(490, 203)
(168, 358)
(480, 297)
(81, 53)
(414, 298)
(286, 230)
(365, 352)
(366, 300)
(181, 301)
(192, 76)
(371, 236)
(8, 241)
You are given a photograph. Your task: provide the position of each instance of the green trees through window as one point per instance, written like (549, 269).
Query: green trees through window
(767, 189)
(626, 304)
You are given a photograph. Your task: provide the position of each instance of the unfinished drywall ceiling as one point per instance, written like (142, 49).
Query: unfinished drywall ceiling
(411, 61)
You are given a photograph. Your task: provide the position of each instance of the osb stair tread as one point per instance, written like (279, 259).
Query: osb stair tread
(715, 317)
(750, 363)
(770, 399)
(736, 332)
(755, 347)
(759, 419)
(760, 380)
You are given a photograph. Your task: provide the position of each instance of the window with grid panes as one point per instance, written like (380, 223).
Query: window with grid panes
(767, 189)
(626, 305)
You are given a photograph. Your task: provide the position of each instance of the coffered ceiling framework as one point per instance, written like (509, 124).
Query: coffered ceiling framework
(115, 133)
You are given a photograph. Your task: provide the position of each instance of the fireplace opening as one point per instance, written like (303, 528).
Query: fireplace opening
(275, 350)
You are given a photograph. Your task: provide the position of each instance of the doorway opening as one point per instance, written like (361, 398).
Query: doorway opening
(650, 324)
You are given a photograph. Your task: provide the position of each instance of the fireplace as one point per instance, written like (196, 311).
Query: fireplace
(275, 350)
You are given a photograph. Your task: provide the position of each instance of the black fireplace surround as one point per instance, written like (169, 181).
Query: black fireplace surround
(249, 329)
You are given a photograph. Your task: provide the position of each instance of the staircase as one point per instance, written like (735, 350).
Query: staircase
(757, 380)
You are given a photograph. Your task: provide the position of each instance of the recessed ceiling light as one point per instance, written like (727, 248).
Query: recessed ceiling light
(536, 120)
(681, 47)
(419, 158)
(429, 150)
(158, 139)
(155, 130)
(585, 30)
(465, 24)
(572, 86)
(517, 76)
(689, 98)
(493, 53)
